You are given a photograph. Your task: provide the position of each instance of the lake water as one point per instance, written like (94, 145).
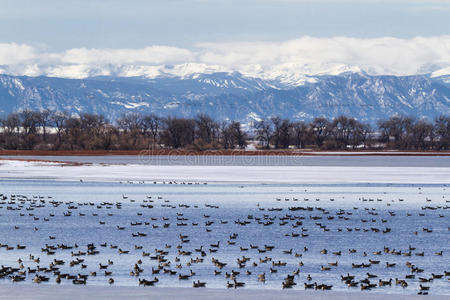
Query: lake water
(334, 211)
(256, 160)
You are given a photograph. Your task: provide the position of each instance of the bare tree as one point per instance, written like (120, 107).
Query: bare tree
(361, 134)
(300, 134)
(204, 128)
(72, 133)
(396, 129)
(442, 132)
(11, 131)
(132, 126)
(58, 120)
(179, 132)
(239, 135)
(281, 132)
(134, 131)
(44, 119)
(152, 125)
(263, 133)
(29, 122)
(227, 136)
(421, 134)
(319, 130)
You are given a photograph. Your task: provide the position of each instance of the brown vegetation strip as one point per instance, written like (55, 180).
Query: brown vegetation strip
(181, 152)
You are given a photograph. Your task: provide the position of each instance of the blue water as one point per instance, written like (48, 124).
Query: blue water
(256, 160)
(235, 202)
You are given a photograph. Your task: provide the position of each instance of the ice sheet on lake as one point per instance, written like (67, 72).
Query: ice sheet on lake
(250, 174)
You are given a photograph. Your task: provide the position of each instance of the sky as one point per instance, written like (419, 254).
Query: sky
(79, 38)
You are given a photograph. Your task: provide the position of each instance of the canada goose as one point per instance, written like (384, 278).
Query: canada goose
(384, 283)
(348, 277)
(123, 251)
(437, 276)
(198, 284)
(309, 285)
(183, 277)
(238, 284)
(287, 251)
(390, 265)
(401, 282)
(215, 245)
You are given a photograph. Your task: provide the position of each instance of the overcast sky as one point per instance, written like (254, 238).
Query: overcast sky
(140, 23)
(50, 28)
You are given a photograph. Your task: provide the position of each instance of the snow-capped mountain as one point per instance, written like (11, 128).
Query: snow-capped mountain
(232, 96)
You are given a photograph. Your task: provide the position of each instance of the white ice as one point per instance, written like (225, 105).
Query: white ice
(248, 174)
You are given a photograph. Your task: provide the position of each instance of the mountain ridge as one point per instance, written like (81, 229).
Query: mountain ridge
(233, 96)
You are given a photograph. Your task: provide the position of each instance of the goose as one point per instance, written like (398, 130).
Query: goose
(309, 285)
(183, 277)
(384, 283)
(215, 245)
(390, 265)
(238, 284)
(325, 268)
(198, 284)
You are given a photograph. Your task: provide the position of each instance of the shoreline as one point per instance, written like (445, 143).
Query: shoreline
(11, 291)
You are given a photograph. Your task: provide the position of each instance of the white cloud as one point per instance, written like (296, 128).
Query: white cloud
(149, 55)
(13, 53)
(292, 59)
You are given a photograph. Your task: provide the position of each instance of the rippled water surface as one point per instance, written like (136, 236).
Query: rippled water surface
(340, 217)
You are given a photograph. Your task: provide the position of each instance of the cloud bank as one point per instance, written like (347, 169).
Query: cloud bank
(289, 60)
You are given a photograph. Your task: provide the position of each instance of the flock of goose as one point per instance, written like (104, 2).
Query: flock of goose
(163, 241)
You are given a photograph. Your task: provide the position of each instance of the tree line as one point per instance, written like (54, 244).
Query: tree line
(47, 130)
